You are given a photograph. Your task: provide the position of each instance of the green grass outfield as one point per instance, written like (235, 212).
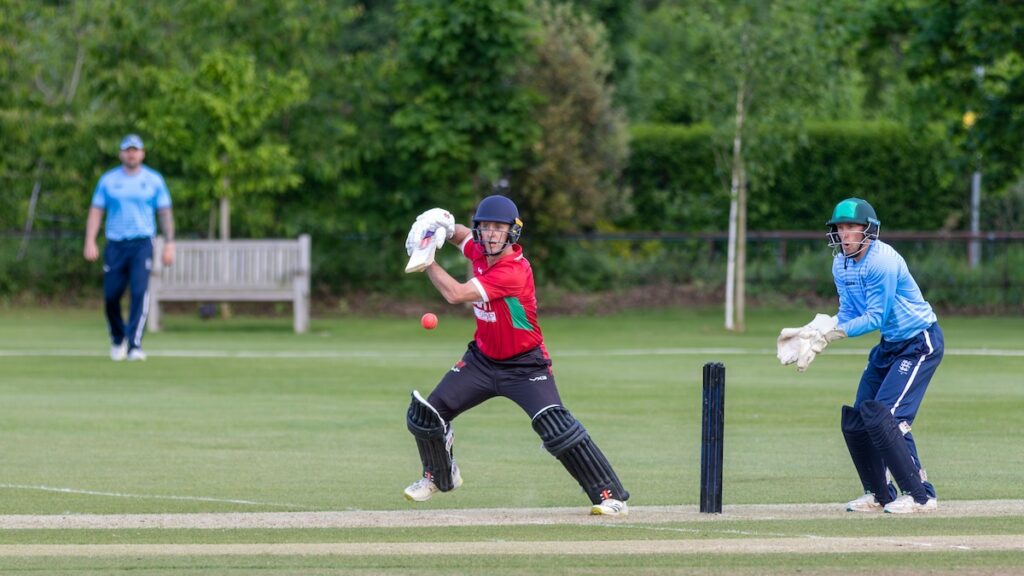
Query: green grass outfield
(243, 416)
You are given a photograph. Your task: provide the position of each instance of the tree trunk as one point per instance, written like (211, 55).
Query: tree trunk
(730, 266)
(225, 219)
(225, 235)
(736, 269)
(31, 216)
(741, 252)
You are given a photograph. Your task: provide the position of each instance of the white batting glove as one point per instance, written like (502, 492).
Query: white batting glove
(416, 234)
(442, 234)
(438, 218)
(421, 229)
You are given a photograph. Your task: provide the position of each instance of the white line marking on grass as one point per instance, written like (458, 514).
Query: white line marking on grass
(701, 531)
(639, 516)
(392, 354)
(832, 545)
(148, 496)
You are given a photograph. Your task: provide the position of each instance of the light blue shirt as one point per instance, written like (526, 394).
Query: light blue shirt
(878, 293)
(131, 202)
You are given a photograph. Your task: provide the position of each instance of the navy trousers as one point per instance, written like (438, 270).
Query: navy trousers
(526, 379)
(127, 263)
(898, 374)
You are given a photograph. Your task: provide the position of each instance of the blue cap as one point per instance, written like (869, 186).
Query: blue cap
(132, 141)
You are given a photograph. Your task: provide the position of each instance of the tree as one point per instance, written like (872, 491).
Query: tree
(48, 130)
(569, 178)
(619, 18)
(968, 55)
(464, 122)
(213, 120)
(751, 69)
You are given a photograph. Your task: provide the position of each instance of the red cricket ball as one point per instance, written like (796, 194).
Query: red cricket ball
(429, 321)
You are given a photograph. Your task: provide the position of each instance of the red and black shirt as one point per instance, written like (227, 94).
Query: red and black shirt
(506, 314)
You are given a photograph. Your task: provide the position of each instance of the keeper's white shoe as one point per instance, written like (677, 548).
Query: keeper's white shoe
(424, 488)
(119, 352)
(905, 504)
(136, 355)
(866, 503)
(610, 507)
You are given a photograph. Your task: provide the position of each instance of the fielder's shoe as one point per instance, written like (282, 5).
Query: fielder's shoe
(905, 504)
(136, 355)
(424, 488)
(866, 503)
(609, 507)
(119, 352)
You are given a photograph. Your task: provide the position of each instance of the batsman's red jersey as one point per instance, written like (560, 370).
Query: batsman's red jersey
(506, 315)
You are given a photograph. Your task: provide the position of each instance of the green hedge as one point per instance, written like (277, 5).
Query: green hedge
(906, 175)
(803, 269)
(675, 183)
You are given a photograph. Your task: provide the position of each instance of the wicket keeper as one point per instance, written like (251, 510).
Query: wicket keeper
(877, 292)
(506, 357)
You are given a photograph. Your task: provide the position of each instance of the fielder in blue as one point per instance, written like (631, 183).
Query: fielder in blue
(877, 292)
(130, 195)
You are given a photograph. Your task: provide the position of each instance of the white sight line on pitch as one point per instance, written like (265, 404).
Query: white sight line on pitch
(147, 496)
(392, 354)
(643, 527)
(640, 518)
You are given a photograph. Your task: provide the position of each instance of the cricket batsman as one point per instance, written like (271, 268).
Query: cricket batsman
(877, 292)
(506, 357)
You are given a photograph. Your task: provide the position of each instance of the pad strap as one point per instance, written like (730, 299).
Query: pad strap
(566, 439)
(434, 439)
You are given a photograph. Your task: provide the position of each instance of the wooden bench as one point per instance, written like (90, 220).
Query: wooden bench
(233, 271)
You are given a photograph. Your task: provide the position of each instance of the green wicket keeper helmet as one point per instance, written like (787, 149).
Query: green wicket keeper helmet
(853, 211)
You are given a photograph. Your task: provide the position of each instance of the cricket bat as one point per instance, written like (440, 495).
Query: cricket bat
(423, 256)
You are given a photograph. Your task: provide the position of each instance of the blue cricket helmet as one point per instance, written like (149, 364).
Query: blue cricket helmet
(498, 208)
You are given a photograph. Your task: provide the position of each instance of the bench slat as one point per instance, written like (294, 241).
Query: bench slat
(236, 270)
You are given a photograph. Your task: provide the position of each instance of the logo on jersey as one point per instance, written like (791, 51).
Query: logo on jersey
(540, 378)
(904, 367)
(458, 366)
(482, 313)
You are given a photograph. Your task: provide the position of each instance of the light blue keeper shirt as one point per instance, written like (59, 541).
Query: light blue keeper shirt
(131, 202)
(878, 293)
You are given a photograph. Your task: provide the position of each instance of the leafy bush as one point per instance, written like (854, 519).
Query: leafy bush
(905, 175)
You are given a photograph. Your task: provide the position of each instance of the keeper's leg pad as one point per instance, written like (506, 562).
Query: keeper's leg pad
(434, 439)
(866, 459)
(567, 440)
(888, 440)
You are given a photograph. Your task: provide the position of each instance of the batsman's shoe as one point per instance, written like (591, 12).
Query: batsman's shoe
(866, 503)
(136, 355)
(119, 352)
(905, 504)
(610, 507)
(424, 488)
